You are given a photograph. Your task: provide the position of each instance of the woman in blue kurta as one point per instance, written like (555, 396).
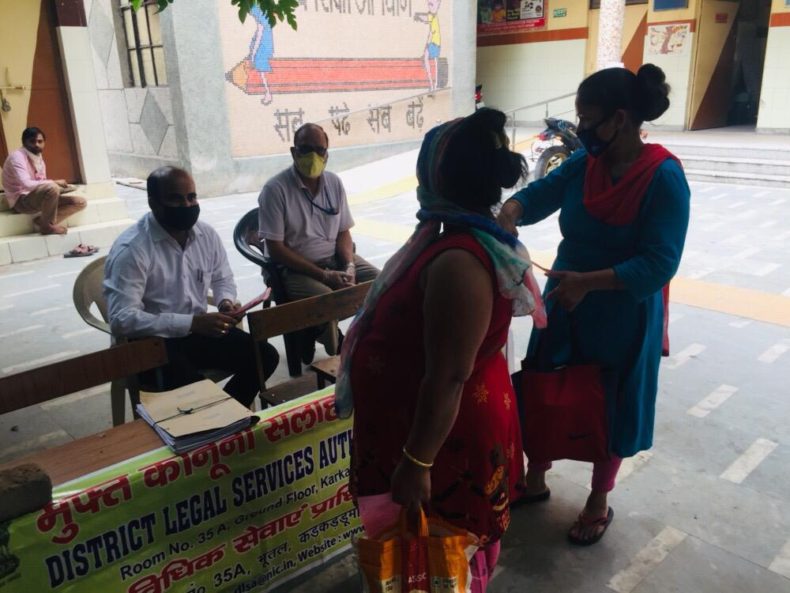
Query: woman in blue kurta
(624, 210)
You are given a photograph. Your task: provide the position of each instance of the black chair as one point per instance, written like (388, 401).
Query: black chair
(245, 238)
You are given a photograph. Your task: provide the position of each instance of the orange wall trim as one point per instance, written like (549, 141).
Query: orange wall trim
(691, 22)
(634, 53)
(533, 37)
(780, 19)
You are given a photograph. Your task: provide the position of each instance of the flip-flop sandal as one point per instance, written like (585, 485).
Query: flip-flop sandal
(527, 499)
(582, 521)
(81, 251)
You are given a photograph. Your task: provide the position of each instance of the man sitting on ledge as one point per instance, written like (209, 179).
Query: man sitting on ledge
(156, 281)
(28, 190)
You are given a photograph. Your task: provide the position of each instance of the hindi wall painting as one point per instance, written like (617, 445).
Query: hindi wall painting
(348, 59)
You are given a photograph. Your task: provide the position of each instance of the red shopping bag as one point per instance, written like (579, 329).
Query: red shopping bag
(432, 558)
(564, 412)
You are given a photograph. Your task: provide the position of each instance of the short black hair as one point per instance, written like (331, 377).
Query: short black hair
(473, 170)
(157, 178)
(304, 127)
(32, 133)
(644, 95)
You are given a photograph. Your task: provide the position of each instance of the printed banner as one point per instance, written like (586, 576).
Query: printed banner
(245, 513)
(496, 17)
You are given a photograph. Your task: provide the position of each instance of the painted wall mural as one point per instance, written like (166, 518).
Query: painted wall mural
(369, 71)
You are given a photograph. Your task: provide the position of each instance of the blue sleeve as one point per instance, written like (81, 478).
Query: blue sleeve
(664, 221)
(543, 197)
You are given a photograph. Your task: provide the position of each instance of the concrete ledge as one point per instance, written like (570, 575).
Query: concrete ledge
(784, 131)
(34, 246)
(98, 210)
(124, 164)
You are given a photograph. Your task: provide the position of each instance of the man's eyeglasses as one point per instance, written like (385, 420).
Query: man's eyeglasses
(308, 148)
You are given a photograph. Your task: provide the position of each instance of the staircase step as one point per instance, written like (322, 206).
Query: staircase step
(728, 151)
(34, 246)
(98, 210)
(737, 165)
(738, 178)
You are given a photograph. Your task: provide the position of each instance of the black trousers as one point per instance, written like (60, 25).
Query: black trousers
(232, 353)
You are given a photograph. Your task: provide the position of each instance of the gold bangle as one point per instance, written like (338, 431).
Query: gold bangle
(416, 461)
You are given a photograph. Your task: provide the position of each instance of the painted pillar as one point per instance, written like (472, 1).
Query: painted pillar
(464, 63)
(197, 91)
(610, 34)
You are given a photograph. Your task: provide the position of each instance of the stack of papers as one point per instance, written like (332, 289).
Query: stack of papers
(194, 415)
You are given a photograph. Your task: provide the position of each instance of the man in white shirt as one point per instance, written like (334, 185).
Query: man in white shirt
(304, 219)
(156, 281)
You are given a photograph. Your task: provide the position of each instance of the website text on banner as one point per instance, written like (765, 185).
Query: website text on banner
(245, 513)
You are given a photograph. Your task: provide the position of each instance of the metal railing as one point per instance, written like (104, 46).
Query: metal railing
(511, 114)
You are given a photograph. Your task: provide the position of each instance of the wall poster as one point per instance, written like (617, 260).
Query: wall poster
(669, 4)
(496, 17)
(672, 38)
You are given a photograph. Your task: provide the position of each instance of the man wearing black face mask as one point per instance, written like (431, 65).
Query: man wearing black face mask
(156, 281)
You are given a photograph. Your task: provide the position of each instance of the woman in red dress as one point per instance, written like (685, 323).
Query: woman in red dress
(435, 420)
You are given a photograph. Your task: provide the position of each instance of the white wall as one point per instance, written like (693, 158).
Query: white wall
(775, 96)
(678, 68)
(522, 74)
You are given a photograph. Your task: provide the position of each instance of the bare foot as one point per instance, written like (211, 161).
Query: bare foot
(536, 483)
(52, 229)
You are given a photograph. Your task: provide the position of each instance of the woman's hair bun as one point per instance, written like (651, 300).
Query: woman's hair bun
(652, 92)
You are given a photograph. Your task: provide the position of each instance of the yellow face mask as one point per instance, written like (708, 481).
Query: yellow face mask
(311, 165)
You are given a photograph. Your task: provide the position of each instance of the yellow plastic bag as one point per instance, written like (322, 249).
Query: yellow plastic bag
(434, 559)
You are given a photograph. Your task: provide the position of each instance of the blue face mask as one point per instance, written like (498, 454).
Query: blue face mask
(594, 146)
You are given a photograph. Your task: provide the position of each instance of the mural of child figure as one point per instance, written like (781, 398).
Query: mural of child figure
(262, 49)
(433, 46)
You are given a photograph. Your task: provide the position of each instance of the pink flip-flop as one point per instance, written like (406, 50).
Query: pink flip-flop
(583, 521)
(81, 251)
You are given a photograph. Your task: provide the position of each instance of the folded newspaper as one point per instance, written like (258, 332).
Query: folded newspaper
(194, 415)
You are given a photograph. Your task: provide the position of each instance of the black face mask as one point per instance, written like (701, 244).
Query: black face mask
(179, 218)
(594, 146)
(507, 167)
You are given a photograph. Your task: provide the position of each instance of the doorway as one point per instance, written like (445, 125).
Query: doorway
(750, 45)
(727, 73)
(32, 64)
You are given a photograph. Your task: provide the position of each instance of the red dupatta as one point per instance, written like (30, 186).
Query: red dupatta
(618, 203)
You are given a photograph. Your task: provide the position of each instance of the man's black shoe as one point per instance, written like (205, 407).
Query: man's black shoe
(307, 350)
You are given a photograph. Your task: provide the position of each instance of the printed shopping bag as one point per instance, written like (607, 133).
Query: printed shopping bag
(433, 558)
